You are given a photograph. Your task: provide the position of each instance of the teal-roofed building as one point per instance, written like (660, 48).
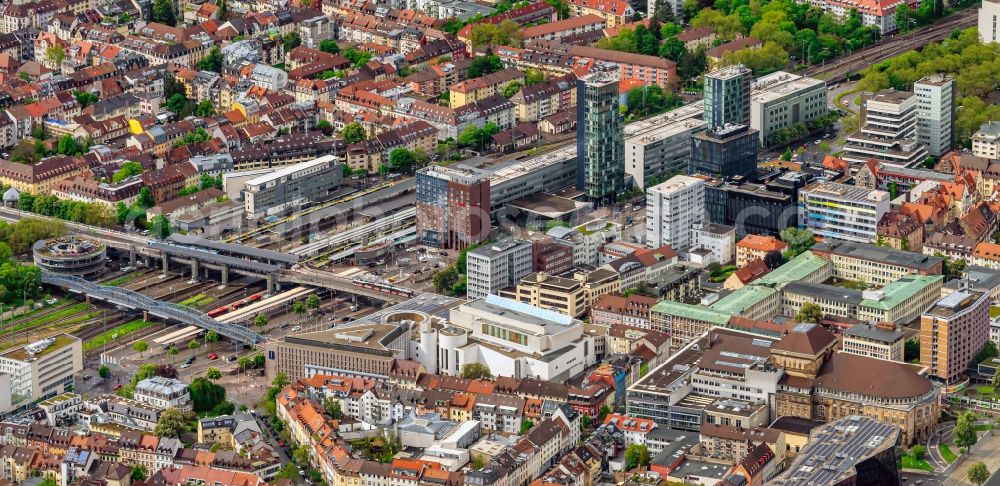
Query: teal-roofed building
(805, 268)
(753, 302)
(901, 301)
(685, 322)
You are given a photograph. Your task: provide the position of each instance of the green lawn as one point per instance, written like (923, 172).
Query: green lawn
(985, 390)
(910, 462)
(124, 279)
(946, 453)
(73, 309)
(983, 427)
(722, 274)
(197, 300)
(117, 332)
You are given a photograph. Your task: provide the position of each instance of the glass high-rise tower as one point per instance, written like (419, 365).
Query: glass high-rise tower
(727, 96)
(600, 138)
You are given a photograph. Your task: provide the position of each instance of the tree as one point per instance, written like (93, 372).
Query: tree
(205, 108)
(401, 160)
(989, 350)
(140, 346)
(978, 473)
(325, 127)
(603, 412)
(506, 33)
(292, 40)
(911, 350)
(171, 423)
(586, 421)
(476, 371)
(213, 374)
(478, 462)
(205, 395)
(212, 337)
(85, 98)
(193, 345)
(483, 65)
(68, 145)
(160, 227)
(301, 455)
(357, 58)
(799, 241)
(773, 259)
(222, 9)
(810, 312)
(562, 9)
(636, 455)
(526, 425)
(54, 55)
(212, 61)
(511, 89)
(104, 372)
(918, 451)
(663, 11)
(329, 46)
(995, 380)
(128, 169)
(139, 473)
(964, 433)
(299, 308)
(332, 408)
(673, 49)
(533, 76)
(173, 351)
(445, 280)
(163, 12)
(145, 199)
(905, 18)
(260, 320)
(313, 302)
(353, 133)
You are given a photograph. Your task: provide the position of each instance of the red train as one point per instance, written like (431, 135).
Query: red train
(235, 305)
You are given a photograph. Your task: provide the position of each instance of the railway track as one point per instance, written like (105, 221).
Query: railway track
(843, 66)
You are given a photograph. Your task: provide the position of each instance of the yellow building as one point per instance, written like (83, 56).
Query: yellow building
(39, 178)
(482, 87)
(566, 295)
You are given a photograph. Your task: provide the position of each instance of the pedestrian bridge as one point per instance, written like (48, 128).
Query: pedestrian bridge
(166, 310)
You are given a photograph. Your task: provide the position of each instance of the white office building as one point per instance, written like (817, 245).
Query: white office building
(490, 268)
(163, 392)
(718, 239)
(935, 112)
(888, 131)
(515, 339)
(842, 212)
(672, 208)
(292, 186)
(986, 141)
(989, 17)
(660, 146)
(783, 100)
(39, 370)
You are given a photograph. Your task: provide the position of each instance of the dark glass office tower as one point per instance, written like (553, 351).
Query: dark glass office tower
(600, 142)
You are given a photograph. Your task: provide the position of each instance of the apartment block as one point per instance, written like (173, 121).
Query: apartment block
(952, 332)
(483, 87)
(875, 265)
(565, 295)
(842, 212)
(888, 131)
(986, 140)
(752, 247)
(495, 266)
(672, 208)
(935, 113)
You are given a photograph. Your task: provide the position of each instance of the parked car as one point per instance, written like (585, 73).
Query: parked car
(296, 328)
(213, 356)
(117, 387)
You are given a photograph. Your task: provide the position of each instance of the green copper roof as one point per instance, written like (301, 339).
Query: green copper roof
(799, 268)
(742, 299)
(688, 311)
(897, 292)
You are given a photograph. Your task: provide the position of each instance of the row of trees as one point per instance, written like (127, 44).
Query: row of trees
(90, 213)
(650, 100)
(973, 64)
